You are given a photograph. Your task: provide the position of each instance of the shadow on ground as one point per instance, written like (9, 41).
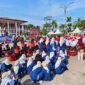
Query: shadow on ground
(29, 82)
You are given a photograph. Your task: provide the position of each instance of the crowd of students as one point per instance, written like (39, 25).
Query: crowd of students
(41, 59)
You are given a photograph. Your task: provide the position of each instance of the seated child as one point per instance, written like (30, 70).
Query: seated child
(60, 66)
(30, 64)
(46, 72)
(16, 70)
(5, 66)
(35, 72)
(52, 58)
(6, 79)
(23, 64)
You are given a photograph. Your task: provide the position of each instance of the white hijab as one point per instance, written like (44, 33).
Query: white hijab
(33, 56)
(52, 41)
(47, 60)
(43, 54)
(67, 42)
(61, 41)
(16, 69)
(41, 40)
(29, 62)
(47, 41)
(51, 55)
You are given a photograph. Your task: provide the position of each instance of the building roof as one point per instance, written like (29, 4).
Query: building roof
(11, 20)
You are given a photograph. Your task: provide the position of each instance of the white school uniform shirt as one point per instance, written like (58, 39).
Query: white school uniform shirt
(22, 62)
(35, 67)
(46, 42)
(52, 43)
(51, 55)
(43, 54)
(7, 80)
(62, 40)
(47, 60)
(74, 43)
(56, 42)
(16, 69)
(29, 63)
(57, 64)
(46, 68)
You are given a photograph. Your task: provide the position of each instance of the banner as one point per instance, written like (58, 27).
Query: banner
(4, 38)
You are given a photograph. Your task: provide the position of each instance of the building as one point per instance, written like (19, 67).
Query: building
(11, 26)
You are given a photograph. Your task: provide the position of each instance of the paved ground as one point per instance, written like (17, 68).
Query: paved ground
(74, 76)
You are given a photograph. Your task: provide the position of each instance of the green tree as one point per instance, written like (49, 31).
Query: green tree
(68, 19)
(44, 31)
(30, 26)
(69, 23)
(82, 25)
(62, 27)
(78, 23)
(54, 24)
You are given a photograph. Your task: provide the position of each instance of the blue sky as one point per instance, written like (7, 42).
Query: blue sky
(34, 11)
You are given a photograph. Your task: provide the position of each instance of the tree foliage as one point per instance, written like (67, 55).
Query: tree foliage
(62, 27)
(44, 31)
(68, 19)
(54, 24)
(30, 26)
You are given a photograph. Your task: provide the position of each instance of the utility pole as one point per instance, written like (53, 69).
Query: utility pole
(65, 7)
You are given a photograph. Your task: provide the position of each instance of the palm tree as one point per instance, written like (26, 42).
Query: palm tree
(78, 23)
(68, 19)
(54, 24)
(69, 24)
(62, 27)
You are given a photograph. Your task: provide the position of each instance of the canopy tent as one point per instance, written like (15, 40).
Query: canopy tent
(77, 30)
(51, 33)
(58, 32)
